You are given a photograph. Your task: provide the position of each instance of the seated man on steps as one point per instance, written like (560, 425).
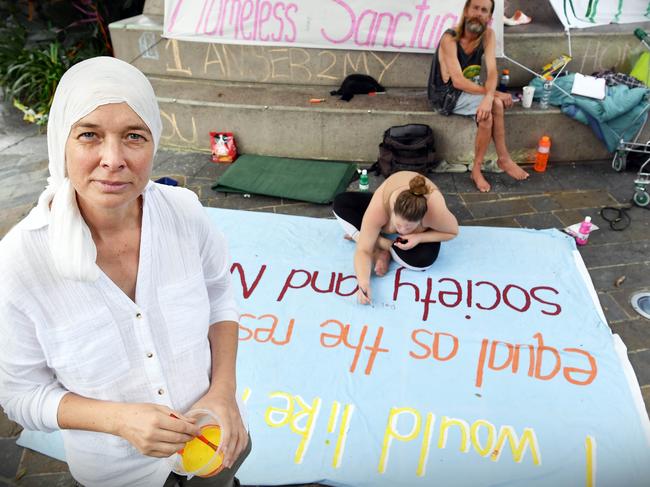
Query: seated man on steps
(450, 91)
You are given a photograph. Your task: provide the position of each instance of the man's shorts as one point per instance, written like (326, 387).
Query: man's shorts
(467, 104)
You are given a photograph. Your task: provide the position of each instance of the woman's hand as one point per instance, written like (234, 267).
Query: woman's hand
(407, 242)
(363, 294)
(153, 430)
(234, 436)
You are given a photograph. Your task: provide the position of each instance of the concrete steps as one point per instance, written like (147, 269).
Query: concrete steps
(261, 93)
(279, 120)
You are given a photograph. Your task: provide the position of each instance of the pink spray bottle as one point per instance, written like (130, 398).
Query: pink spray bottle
(583, 231)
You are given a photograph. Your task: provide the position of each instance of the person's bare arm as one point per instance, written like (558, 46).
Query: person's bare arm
(439, 217)
(373, 220)
(490, 62)
(221, 397)
(484, 110)
(491, 65)
(450, 67)
(151, 428)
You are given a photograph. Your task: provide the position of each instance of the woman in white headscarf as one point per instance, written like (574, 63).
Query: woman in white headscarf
(117, 314)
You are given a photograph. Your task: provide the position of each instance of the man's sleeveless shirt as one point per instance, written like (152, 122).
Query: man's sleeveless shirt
(470, 64)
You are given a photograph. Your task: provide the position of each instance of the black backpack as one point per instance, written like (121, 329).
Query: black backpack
(406, 148)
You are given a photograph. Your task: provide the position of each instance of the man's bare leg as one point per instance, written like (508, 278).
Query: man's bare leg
(504, 160)
(483, 137)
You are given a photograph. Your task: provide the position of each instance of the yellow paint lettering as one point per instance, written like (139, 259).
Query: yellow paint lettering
(246, 395)
(518, 447)
(391, 432)
(447, 423)
(334, 414)
(484, 451)
(343, 435)
(309, 413)
(426, 445)
(590, 453)
(282, 413)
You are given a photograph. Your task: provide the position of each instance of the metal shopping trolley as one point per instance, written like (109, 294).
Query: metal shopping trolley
(641, 196)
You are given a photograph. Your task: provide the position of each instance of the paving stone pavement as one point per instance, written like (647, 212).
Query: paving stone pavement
(563, 195)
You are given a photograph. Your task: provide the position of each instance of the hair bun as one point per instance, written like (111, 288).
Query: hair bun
(418, 186)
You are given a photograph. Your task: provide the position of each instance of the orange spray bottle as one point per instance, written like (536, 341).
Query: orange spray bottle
(543, 150)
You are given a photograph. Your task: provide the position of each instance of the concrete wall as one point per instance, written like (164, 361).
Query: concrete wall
(133, 38)
(154, 7)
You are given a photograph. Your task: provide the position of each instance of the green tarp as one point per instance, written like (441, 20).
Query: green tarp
(296, 179)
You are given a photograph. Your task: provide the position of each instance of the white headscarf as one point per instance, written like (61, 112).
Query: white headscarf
(83, 88)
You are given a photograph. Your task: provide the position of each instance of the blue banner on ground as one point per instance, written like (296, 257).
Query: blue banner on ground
(495, 367)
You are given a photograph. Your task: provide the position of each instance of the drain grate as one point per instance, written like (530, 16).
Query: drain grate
(641, 304)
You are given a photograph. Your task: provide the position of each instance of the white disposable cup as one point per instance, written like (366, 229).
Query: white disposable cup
(204, 418)
(527, 100)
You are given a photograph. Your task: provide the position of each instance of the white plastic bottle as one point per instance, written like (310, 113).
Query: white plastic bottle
(546, 95)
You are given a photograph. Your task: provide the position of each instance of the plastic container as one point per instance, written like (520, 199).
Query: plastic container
(527, 96)
(504, 80)
(364, 185)
(546, 95)
(197, 458)
(543, 151)
(583, 231)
